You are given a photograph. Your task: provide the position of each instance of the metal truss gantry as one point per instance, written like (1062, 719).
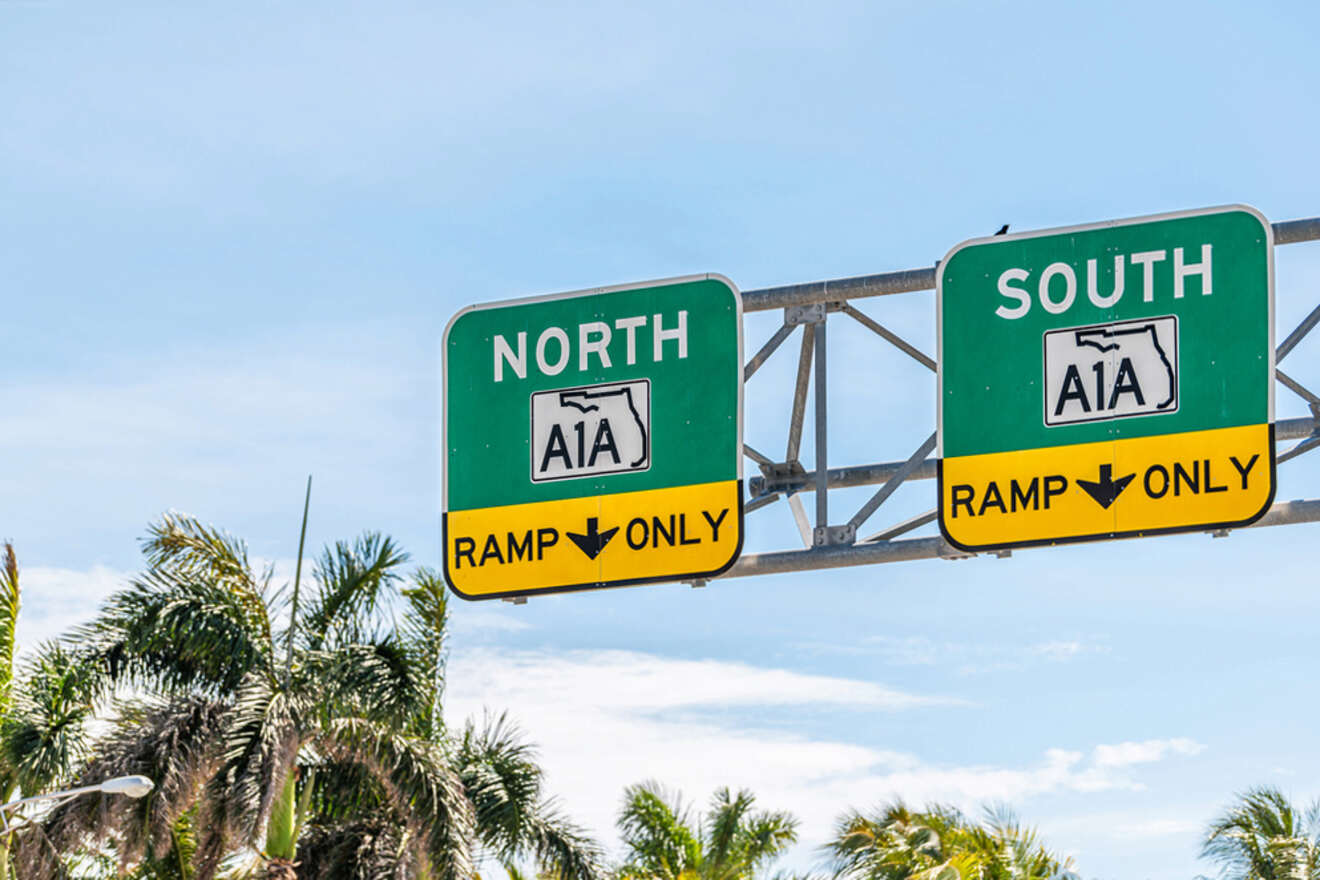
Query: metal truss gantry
(831, 544)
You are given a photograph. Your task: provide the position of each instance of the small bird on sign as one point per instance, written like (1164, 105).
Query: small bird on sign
(1003, 230)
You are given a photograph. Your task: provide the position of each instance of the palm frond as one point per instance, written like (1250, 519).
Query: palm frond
(362, 850)
(373, 680)
(174, 632)
(656, 834)
(341, 791)
(260, 740)
(350, 578)
(182, 544)
(727, 812)
(503, 780)
(425, 629)
(171, 743)
(1261, 837)
(45, 733)
(562, 849)
(765, 837)
(422, 787)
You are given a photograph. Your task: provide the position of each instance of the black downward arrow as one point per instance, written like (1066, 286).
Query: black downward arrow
(1107, 490)
(594, 540)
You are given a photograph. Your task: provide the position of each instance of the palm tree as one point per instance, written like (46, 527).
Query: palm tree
(1263, 836)
(939, 843)
(44, 711)
(262, 741)
(497, 768)
(894, 843)
(235, 714)
(732, 841)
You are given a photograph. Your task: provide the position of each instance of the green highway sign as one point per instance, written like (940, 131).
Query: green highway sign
(593, 439)
(1107, 380)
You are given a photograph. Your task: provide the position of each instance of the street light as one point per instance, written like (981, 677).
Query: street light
(129, 786)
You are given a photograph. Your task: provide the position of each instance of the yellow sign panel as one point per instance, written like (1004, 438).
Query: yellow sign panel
(568, 544)
(1129, 486)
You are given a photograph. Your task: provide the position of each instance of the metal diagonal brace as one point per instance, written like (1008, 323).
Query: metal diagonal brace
(1305, 446)
(766, 350)
(904, 527)
(892, 338)
(1308, 324)
(1296, 387)
(914, 460)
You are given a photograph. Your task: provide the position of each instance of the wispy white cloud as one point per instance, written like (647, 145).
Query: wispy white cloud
(466, 621)
(55, 599)
(966, 658)
(1144, 752)
(632, 681)
(605, 719)
(1056, 651)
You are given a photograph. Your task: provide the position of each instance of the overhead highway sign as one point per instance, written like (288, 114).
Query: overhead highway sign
(593, 439)
(1107, 380)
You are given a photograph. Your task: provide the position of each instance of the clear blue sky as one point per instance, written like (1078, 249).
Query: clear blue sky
(232, 233)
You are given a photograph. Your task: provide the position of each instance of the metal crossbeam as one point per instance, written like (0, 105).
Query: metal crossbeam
(912, 280)
(828, 546)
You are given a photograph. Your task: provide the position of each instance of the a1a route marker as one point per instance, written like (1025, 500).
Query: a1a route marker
(1107, 380)
(593, 439)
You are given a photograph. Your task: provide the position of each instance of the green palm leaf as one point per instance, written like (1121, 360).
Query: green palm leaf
(44, 734)
(9, 604)
(1265, 837)
(172, 743)
(420, 785)
(176, 633)
(503, 781)
(424, 630)
(351, 580)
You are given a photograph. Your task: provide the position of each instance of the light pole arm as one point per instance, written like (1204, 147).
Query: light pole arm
(132, 786)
